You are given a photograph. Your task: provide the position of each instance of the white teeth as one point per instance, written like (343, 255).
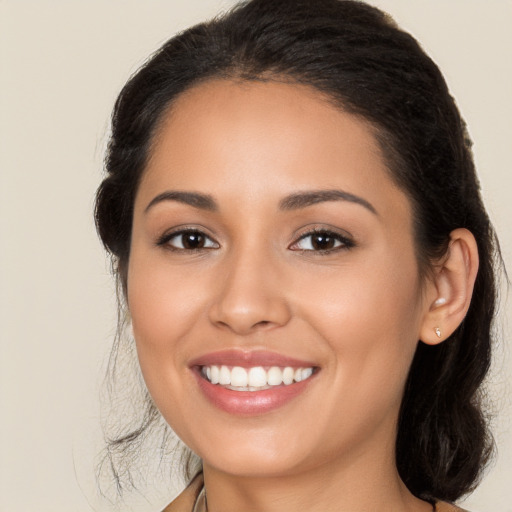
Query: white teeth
(288, 375)
(239, 377)
(224, 376)
(247, 388)
(306, 373)
(255, 378)
(214, 379)
(274, 376)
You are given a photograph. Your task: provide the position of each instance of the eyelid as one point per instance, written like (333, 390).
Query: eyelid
(163, 240)
(346, 240)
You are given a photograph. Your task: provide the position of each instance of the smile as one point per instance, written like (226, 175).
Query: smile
(251, 383)
(256, 378)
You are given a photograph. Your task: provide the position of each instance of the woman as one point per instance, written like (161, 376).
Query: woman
(297, 228)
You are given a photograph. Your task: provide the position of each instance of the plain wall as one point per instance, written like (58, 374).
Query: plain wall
(61, 65)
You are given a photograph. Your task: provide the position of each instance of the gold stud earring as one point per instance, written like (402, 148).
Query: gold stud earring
(438, 332)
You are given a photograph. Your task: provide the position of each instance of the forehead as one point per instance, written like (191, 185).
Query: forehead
(265, 138)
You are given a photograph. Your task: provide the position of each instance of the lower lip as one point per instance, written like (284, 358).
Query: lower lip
(250, 403)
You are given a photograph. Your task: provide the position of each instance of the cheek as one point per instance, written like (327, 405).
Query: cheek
(371, 298)
(370, 317)
(164, 307)
(161, 302)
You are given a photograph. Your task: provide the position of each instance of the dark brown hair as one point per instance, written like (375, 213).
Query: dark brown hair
(356, 56)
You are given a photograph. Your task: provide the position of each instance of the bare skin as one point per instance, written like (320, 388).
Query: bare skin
(261, 279)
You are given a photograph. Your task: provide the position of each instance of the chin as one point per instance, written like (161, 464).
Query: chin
(263, 455)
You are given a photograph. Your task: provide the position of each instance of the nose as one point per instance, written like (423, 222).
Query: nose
(251, 295)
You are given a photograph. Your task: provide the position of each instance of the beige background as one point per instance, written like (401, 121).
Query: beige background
(61, 66)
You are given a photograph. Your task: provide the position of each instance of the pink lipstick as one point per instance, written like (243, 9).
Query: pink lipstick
(251, 382)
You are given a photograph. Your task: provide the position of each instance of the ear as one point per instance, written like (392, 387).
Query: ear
(449, 293)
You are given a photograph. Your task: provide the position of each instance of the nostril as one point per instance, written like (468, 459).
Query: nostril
(263, 323)
(246, 311)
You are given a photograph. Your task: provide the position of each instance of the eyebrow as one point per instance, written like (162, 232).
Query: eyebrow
(309, 198)
(294, 201)
(201, 201)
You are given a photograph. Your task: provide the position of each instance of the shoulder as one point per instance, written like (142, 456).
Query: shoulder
(186, 500)
(442, 506)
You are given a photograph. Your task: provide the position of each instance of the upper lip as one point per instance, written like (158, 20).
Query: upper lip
(247, 359)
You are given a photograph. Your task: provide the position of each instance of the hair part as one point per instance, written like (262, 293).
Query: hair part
(355, 55)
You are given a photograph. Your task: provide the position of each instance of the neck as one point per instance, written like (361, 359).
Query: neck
(360, 485)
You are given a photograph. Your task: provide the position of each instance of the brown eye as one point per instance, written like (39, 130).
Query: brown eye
(322, 241)
(192, 240)
(188, 240)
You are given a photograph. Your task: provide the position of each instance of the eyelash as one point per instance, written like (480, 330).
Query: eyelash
(344, 242)
(164, 240)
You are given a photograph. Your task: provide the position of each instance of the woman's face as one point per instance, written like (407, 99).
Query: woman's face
(270, 243)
